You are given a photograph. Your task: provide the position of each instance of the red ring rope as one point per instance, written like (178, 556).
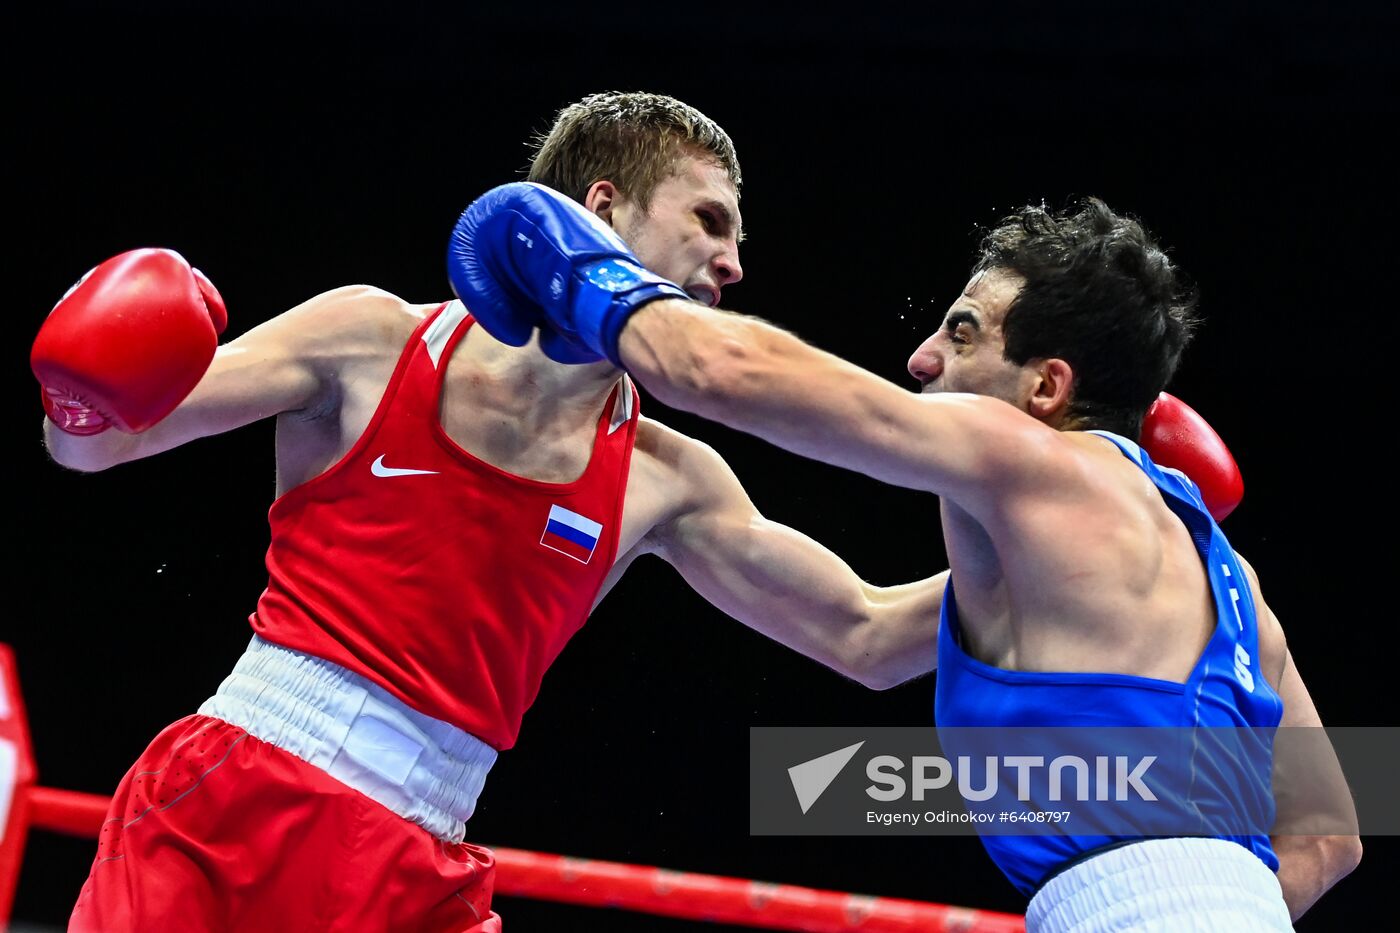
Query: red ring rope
(641, 888)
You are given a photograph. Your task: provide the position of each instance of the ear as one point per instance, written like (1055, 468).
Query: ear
(1054, 384)
(600, 199)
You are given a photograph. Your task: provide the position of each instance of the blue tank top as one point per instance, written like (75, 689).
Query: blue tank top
(1226, 688)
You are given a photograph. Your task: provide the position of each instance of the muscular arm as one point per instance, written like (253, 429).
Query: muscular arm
(285, 364)
(782, 583)
(760, 379)
(1309, 788)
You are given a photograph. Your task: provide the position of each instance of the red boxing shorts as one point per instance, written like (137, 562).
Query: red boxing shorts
(213, 829)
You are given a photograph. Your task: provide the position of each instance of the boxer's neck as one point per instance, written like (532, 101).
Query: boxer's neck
(524, 382)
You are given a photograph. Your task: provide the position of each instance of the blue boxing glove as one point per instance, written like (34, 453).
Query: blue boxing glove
(525, 256)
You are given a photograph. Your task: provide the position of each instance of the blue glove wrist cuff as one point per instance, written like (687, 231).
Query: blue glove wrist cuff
(609, 293)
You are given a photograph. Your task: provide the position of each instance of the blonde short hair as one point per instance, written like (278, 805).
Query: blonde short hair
(634, 140)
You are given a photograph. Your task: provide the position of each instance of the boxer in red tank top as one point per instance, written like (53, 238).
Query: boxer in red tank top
(450, 509)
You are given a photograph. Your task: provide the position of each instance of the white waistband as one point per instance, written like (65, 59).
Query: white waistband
(427, 771)
(1163, 885)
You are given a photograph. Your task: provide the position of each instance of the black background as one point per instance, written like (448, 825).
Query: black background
(289, 152)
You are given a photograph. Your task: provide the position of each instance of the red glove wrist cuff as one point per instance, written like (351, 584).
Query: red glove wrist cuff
(71, 416)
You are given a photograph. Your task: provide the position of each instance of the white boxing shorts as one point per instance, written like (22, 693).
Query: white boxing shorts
(1163, 886)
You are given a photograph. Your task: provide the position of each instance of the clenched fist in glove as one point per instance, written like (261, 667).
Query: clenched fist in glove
(127, 343)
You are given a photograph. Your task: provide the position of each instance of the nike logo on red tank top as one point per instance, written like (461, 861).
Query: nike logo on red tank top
(379, 469)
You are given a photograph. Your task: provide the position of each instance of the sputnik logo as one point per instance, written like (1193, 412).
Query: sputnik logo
(811, 778)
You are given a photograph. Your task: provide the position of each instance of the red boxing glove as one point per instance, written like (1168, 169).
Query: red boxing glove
(127, 343)
(1175, 436)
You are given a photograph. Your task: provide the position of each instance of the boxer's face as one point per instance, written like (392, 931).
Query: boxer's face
(965, 354)
(691, 230)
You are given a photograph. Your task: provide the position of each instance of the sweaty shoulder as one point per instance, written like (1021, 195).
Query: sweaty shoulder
(347, 342)
(671, 459)
(673, 475)
(354, 320)
(1092, 491)
(1014, 462)
(655, 439)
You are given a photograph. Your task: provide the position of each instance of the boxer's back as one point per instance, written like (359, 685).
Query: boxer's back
(1089, 571)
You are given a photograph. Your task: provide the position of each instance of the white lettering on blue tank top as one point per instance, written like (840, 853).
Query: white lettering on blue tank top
(1242, 658)
(1242, 673)
(1234, 598)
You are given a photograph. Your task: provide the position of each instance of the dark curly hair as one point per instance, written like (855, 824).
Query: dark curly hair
(1100, 294)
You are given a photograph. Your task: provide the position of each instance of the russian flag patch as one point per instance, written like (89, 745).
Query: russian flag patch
(570, 533)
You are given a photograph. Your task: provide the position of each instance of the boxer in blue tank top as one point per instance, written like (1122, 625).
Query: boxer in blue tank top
(1085, 579)
(1225, 689)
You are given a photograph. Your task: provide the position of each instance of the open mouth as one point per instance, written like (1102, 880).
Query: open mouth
(704, 294)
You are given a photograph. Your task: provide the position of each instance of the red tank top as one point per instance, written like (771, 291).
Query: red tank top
(449, 582)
